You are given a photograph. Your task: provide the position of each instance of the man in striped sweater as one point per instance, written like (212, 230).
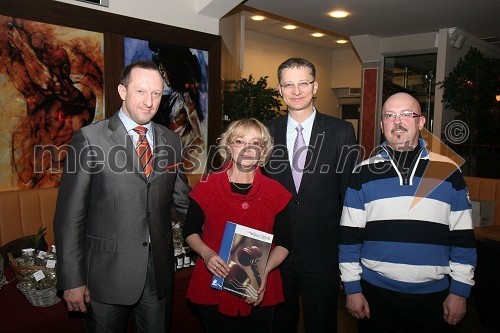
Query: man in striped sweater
(407, 247)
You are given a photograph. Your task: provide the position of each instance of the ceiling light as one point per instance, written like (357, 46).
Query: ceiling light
(257, 17)
(341, 41)
(338, 13)
(290, 27)
(317, 34)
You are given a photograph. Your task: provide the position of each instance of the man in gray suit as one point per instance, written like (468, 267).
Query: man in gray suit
(112, 223)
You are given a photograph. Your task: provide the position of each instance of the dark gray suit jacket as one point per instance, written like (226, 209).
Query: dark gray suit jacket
(316, 209)
(107, 210)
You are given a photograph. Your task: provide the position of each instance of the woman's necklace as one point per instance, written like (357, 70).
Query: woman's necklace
(241, 188)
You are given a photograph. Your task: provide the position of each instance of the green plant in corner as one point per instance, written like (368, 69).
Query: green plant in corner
(39, 237)
(246, 98)
(470, 90)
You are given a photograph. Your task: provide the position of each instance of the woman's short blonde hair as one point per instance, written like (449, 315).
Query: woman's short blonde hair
(240, 128)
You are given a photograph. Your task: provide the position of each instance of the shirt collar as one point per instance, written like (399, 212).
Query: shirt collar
(306, 124)
(130, 124)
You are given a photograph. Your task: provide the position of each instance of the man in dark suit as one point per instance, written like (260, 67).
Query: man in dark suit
(327, 145)
(112, 223)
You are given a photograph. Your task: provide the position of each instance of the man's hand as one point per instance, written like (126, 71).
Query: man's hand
(454, 308)
(77, 298)
(357, 306)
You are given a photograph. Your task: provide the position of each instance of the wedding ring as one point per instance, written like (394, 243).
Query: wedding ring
(216, 264)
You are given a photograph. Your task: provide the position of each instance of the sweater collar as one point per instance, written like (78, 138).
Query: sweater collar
(225, 185)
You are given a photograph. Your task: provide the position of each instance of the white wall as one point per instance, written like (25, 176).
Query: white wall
(346, 70)
(198, 15)
(263, 54)
(230, 29)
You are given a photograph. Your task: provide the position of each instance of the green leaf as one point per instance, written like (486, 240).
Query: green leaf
(246, 98)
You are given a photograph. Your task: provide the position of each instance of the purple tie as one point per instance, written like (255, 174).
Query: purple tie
(299, 157)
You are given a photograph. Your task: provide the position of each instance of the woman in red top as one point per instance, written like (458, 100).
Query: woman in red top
(239, 193)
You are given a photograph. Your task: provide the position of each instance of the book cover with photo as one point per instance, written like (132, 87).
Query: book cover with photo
(246, 251)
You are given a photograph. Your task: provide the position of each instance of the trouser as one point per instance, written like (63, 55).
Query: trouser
(319, 295)
(393, 312)
(149, 314)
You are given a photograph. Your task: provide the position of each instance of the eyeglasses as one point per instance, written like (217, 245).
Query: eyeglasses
(240, 143)
(301, 85)
(402, 115)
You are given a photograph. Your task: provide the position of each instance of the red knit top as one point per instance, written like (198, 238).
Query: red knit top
(256, 210)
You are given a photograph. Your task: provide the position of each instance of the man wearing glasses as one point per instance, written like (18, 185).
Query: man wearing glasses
(311, 160)
(407, 247)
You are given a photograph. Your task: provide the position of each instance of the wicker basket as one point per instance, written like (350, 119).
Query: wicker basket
(42, 298)
(21, 271)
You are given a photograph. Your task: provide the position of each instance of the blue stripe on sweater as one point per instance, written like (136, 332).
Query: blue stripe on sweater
(353, 200)
(385, 188)
(463, 255)
(390, 188)
(406, 253)
(349, 253)
(462, 203)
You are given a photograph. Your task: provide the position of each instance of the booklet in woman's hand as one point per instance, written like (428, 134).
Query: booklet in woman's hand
(246, 251)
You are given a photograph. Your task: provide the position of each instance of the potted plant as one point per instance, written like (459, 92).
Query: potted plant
(470, 90)
(247, 98)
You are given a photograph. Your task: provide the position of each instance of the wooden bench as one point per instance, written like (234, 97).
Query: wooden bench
(489, 190)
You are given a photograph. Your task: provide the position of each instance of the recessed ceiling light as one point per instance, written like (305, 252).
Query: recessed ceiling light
(317, 34)
(341, 41)
(257, 17)
(338, 13)
(290, 27)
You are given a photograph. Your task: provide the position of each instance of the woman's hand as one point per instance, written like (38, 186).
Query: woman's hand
(261, 292)
(215, 264)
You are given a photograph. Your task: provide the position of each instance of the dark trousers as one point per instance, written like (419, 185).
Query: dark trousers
(259, 321)
(149, 314)
(392, 312)
(319, 295)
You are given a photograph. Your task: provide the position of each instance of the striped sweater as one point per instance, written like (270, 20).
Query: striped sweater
(408, 233)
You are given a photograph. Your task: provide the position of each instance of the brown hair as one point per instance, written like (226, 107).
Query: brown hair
(143, 64)
(296, 63)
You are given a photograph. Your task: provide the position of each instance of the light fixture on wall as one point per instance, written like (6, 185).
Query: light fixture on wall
(459, 42)
(457, 38)
(104, 3)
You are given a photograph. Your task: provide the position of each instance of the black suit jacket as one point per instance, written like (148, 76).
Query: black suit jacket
(316, 209)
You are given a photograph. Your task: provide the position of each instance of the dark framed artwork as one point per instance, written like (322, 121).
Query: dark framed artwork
(113, 29)
(184, 103)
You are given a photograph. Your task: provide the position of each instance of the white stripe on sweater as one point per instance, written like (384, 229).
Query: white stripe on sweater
(407, 273)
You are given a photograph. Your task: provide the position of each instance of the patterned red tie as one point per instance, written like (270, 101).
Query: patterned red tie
(143, 150)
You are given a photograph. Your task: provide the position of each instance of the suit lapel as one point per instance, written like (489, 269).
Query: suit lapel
(120, 136)
(282, 153)
(159, 158)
